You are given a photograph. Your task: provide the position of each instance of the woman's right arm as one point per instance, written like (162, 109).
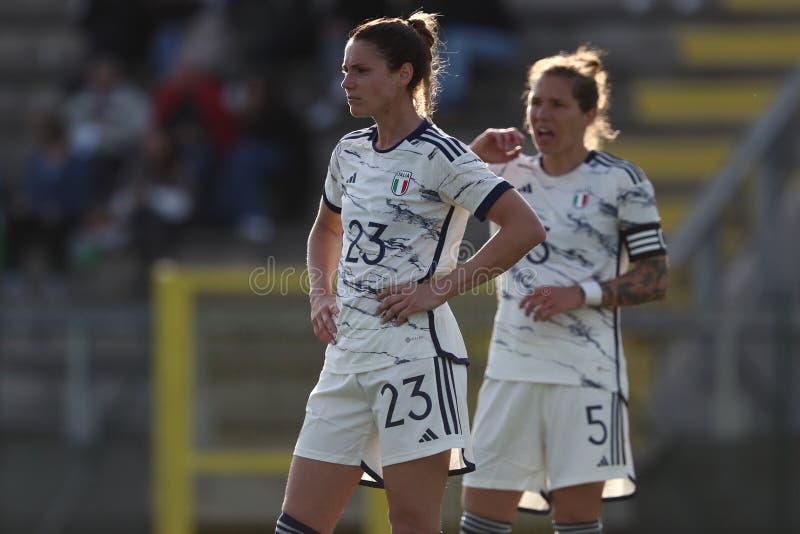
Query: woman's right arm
(498, 145)
(520, 231)
(324, 250)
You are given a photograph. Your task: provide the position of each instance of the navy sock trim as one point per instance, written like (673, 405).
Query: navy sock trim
(588, 527)
(475, 524)
(289, 525)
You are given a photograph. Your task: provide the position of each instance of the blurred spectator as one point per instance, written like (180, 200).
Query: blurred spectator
(683, 7)
(336, 18)
(116, 28)
(170, 21)
(266, 173)
(192, 97)
(106, 118)
(274, 35)
(156, 204)
(46, 206)
(190, 30)
(473, 35)
(189, 105)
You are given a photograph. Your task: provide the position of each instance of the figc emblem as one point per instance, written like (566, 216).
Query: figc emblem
(400, 183)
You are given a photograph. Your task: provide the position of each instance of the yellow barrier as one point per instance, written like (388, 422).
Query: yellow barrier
(176, 462)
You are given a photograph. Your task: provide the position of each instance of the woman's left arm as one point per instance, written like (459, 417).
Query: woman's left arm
(520, 231)
(645, 281)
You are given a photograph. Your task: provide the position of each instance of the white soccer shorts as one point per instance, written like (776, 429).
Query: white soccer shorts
(540, 437)
(388, 416)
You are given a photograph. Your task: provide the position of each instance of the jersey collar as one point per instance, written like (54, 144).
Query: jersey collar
(589, 158)
(424, 125)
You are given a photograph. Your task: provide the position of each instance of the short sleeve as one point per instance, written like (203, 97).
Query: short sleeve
(470, 184)
(639, 221)
(497, 168)
(332, 192)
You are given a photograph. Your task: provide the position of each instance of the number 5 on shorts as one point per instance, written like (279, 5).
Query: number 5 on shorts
(592, 421)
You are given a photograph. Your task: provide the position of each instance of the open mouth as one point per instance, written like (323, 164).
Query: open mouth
(544, 133)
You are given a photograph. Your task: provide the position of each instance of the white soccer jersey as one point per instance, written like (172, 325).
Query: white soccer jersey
(403, 211)
(597, 217)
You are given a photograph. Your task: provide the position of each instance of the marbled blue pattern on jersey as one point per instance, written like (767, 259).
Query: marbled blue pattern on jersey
(585, 213)
(403, 216)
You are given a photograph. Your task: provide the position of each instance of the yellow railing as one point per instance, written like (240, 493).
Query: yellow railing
(176, 460)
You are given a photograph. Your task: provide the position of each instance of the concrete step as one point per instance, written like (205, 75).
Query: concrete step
(13, 154)
(740, 46)
(761, 6)
(41, 361)
(614, 36)
(36, 10)
(675, 159)
(43, 51)
(673, 208)
(31, 403)
(18, 105)
(51, 487)
(561, 7)
(731, 101)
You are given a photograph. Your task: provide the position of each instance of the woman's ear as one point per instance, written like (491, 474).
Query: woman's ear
(591, 115)
(405, 73)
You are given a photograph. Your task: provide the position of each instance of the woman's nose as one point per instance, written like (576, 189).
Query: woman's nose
(542, 112)
(346, 81)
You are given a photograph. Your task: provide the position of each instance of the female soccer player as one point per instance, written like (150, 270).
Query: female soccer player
(551, 427)
(390, 401)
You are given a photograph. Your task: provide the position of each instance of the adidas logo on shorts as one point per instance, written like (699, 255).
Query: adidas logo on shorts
(428, 436)
(603, 462)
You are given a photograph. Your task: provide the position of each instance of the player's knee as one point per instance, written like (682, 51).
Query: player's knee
(584, 527)
(411, 521)
(408, 526)
(289, 525)
(475, 524)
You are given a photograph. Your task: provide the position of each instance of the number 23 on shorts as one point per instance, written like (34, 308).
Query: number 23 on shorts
(429, 403)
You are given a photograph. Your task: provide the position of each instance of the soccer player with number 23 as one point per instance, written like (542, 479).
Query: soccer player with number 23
(551, 427)
(389, 408)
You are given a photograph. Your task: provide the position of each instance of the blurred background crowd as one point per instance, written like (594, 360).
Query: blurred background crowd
(170, 115)
(160, 117)
(199, 131)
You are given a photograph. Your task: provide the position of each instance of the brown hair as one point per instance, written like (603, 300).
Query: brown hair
(590, 87)
(415, 41)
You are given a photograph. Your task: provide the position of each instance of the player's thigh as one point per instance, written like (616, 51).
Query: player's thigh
(497, 505)
(317, 491)
(415, 490)
(326, 464)
(339, 422)
(508, 419)
(509, 437)
(577, 504)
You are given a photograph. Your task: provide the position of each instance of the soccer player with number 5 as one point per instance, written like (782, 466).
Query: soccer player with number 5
(390, 406)
(551, 427)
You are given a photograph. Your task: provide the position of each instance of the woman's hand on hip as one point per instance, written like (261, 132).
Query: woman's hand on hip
(400, 302)
(323, 317)
(546, 301)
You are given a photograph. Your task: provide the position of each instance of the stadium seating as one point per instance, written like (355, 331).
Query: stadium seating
(727, 73)
(38, 49)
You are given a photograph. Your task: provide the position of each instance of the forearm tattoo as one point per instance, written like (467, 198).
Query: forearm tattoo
(646, 281)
